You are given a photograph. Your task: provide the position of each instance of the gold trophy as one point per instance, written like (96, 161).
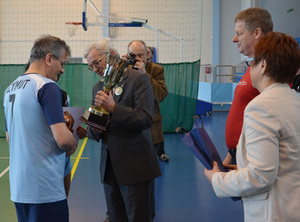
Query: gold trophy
(115, 67)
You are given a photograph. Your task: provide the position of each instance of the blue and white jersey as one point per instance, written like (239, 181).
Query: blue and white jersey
(31, 104)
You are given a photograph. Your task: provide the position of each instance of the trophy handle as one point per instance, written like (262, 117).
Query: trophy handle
(115, 67)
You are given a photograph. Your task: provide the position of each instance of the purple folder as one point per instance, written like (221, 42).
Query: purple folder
(202, 147)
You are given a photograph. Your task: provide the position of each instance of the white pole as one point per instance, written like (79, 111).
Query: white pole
(181, 49)
(157, 44)
(106, 13)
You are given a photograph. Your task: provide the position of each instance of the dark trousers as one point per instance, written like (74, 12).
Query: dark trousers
(46, 212)
(128, 203)
(160, 148)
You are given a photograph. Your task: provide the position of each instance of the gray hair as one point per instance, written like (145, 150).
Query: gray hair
(48, 44)
(103, 46)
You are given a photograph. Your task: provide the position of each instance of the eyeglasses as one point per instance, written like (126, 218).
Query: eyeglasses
(249, 61)
(62, 63)
(95, 63)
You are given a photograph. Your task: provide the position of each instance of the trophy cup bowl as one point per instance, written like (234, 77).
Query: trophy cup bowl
(95, 116)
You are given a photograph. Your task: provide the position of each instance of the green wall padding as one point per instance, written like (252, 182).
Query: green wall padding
(177, 109)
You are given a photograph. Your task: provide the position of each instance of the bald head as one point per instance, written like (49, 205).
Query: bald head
(139, 48)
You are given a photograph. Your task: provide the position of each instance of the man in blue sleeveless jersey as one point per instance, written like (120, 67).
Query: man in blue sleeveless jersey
(38, 137)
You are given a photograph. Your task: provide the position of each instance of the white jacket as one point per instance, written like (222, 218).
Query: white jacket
(268, 158)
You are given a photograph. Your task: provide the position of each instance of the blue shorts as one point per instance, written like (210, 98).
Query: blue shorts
(46, 212)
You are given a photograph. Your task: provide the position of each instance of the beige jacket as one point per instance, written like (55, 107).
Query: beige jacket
(268, 158)
(157, 78)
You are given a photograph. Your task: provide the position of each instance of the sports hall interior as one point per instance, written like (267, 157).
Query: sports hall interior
(193, 42)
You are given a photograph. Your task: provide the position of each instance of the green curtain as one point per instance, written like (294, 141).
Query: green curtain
(177, 109)
(78, 82)
(8, 74)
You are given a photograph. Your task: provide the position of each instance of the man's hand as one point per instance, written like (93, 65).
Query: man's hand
(209, 173)
(139, 65)
(71, 151)
(105, 101)
(64, 138)
(95, 129)
(81, 132)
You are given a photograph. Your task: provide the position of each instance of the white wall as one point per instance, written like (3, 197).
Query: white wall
(206, 39)
(284, 21)
(22, 21)
(287, 22)
(229, 54)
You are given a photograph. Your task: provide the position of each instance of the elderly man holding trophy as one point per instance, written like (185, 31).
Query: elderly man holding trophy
(121, 115)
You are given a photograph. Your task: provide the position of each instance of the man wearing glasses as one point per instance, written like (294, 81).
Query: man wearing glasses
(62, 63)
(38, 137)
(97, 54)
(128, 164)
(156, 74)
(250, 25)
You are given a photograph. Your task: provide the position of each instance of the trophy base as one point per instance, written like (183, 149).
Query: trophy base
(94, 120)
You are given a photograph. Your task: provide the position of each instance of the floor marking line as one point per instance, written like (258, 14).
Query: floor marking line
(4, 171)
(78, 158)
(82, 158)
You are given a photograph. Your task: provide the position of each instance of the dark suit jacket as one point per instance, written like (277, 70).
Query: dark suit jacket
(156, 74)
(128, 137)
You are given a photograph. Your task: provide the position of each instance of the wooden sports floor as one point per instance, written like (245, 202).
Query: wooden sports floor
(182, 192)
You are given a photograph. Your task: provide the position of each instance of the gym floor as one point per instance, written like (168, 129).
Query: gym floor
(182, 192)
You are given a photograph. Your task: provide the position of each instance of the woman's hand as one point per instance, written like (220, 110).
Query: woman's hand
(209, 173)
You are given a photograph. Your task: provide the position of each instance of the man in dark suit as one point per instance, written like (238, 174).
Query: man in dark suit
(128, 164)
(156, 74)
